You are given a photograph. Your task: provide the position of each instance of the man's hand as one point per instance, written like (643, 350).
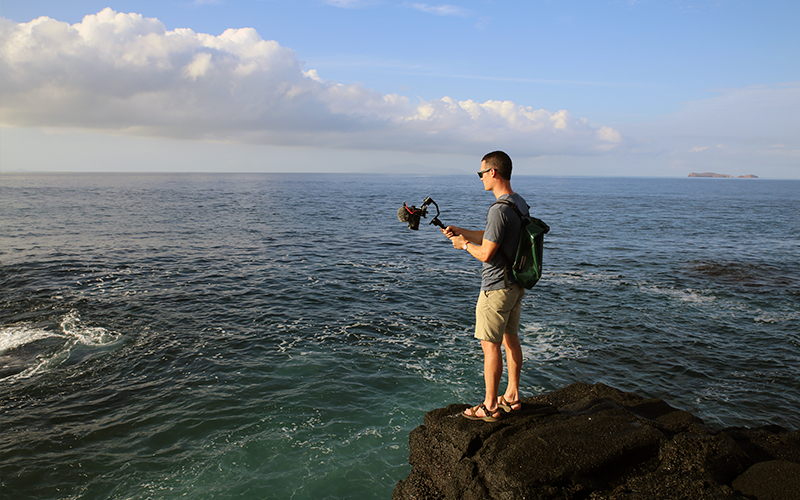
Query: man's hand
(450, 231)
(455, 235)
(458, 241)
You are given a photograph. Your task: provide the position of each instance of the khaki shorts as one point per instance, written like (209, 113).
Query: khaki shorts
(497, 313)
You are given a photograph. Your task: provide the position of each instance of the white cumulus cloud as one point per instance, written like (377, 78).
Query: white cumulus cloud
(124, 73)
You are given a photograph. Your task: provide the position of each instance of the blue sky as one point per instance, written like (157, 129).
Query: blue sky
(604, 87)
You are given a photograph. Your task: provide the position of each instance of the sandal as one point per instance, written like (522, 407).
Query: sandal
(472, 414)
(508, 407)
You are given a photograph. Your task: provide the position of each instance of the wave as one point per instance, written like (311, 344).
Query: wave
(548, 343)
(27, 349)
(774, 317)
(680, 294)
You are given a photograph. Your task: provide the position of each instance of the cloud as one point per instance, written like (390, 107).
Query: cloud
(347, 4)
(756, 111)
(126, 74)
(734, 131)
(439, 10)
(755, 117)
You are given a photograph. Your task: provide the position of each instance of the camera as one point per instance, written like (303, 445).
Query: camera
(412, 214)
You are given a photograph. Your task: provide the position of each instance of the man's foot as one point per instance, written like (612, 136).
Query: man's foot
(487, 415)
(507, 406)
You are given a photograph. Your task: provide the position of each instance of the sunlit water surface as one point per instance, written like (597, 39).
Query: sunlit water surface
(278, 336)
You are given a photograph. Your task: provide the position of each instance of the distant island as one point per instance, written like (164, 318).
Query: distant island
(723, 176)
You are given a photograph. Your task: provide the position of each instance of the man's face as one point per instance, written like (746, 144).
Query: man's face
(487, 177)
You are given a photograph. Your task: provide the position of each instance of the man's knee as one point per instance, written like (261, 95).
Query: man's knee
(490, 347)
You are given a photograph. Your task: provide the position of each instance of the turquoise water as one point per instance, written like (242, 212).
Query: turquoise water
(278, 336)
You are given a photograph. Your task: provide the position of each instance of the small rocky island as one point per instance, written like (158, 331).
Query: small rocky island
(722, 176)
(595, 442)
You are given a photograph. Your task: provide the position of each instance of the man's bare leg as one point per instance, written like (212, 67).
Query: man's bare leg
(492, 371)
(514, 362)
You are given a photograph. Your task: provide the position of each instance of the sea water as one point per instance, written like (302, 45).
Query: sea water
(279, 335)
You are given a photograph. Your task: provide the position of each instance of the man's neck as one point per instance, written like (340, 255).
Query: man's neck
(502, 189)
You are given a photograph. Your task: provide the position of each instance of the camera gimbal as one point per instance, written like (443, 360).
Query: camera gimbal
(412, 214)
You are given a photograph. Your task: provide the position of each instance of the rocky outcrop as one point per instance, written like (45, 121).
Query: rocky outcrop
(596, 442)
(710, 174)
(723, 176)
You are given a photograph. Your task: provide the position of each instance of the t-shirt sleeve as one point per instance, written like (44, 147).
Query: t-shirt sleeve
(495, 225)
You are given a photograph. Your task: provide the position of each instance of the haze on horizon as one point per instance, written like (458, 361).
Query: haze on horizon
(614, 88)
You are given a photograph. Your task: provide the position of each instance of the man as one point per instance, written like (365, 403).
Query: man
(498, 309)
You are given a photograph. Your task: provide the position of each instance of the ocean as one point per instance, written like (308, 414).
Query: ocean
(279, 335)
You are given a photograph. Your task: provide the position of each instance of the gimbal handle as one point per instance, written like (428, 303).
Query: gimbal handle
(427, 201)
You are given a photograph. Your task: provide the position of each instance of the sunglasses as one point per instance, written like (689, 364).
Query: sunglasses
(481, 172)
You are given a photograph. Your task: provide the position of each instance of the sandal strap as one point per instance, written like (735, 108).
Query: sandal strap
(486, 411)
(473, 412)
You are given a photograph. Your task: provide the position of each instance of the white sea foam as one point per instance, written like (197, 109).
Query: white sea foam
(73, 333)
(14, 337)
(576, 277)
(81, 334)
(681, 294)
(773, 317)
(547, 343)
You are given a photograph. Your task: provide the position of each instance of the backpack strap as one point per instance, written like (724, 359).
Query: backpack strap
(512, 205)
(502, 253)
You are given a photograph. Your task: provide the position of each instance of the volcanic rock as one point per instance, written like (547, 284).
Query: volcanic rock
(596, 442)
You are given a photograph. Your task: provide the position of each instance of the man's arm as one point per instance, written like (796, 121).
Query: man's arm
(483, 250)
(474, 237)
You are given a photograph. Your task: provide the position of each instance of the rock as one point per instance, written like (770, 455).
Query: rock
(773, 480)
(596, 442)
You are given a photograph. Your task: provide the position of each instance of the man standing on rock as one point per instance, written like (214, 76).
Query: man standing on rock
(500, 302)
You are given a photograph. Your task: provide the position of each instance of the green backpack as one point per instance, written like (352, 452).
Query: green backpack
(527, 266)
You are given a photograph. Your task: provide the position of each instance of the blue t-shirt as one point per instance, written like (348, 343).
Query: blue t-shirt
(502, 227)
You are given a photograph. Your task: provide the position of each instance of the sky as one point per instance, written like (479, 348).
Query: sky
(657, 88)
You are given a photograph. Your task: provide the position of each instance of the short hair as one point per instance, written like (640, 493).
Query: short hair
(499, 161)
